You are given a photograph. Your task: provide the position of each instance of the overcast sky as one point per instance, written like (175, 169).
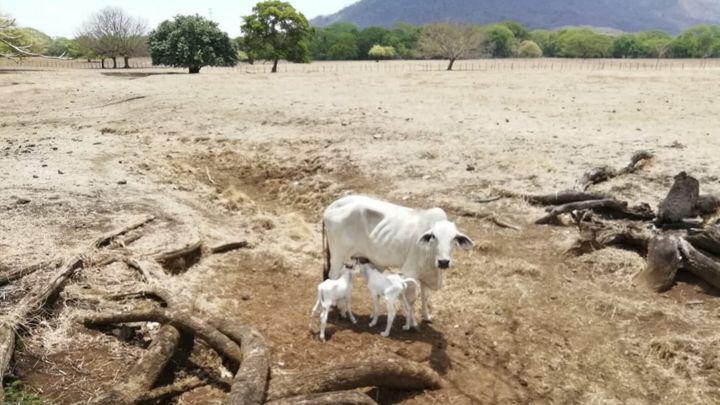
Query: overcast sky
(62, 17)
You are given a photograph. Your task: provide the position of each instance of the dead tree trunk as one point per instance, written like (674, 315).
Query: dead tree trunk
(251, 379)
(393, 373)
(604, 173)
(609, 207)
(562, 197)
(681, 200)
(663, 262)
(700, 264)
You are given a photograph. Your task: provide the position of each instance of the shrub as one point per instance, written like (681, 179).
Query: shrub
(529, 49)
(378, 52)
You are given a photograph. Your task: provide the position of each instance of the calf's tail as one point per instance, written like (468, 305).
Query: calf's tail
(326, 253)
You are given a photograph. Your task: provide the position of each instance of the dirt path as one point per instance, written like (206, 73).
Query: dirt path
(223, 157)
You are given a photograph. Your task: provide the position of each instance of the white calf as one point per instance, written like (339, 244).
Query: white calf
(333, 293)
(391, 286)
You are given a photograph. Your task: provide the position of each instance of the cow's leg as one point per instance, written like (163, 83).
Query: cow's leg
(390, 314)
(374, 320)
(407, 308)
(425, 298)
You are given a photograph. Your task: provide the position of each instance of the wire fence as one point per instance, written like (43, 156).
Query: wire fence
(541, 64)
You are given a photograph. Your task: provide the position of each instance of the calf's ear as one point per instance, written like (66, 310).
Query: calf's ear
(464, 242)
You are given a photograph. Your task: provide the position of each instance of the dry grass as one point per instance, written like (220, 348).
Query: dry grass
(517, 322)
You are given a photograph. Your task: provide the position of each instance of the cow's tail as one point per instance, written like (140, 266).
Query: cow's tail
(326, 253)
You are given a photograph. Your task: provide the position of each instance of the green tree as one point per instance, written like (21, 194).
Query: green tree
(451, 41)
(629, 46)
(545, 40)
(519, 31)
(582, 43)
(370, 37)
(337, 41)
(191, 42)
(499, 41)
(378, 52)
(61, 46)
(275, 30)
(529, 49)
(702, 41)
(656, 43)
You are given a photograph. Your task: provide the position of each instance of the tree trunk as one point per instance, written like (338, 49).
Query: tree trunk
(114, 59)
(701, 264)
(389, 373)
(194, 69)
(452, 62)
(126, 59)
(663, 262)
(275, 64)
(102, 62)
(681, 200)
(327, 398)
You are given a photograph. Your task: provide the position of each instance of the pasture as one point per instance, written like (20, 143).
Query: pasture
(229, 155)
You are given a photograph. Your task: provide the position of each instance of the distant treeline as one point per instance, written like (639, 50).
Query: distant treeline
(344, 41)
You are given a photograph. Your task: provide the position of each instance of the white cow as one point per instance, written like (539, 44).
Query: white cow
(417, 242)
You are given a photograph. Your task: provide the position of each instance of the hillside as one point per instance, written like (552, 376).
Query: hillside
(670, 15)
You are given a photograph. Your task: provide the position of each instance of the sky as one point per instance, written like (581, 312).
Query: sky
(63, 17)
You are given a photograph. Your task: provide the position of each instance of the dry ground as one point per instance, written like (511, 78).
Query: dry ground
(228, 155)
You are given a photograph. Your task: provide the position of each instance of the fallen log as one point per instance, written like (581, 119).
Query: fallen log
(562, 197)
(181, 320)
(143, 375)
(707, 205)
(609, 207)
(181, 259)
(227, 247)
(681, 200)
(27, 307)
(392, 373)
(327, 398)
(707, 239)
(111, 236)
(7, 278)
(663, 263)
(251, 379)
(701, 264)
(596, 234)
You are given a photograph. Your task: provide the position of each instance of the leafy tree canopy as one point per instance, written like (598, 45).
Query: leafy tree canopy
(192, 42)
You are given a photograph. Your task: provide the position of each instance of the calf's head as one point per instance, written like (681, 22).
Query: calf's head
(441, 239)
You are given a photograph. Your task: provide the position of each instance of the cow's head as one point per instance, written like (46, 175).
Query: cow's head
(441, 239)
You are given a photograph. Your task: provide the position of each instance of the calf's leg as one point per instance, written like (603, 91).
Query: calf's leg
(374, 320)
(390, 314)
(323, 322)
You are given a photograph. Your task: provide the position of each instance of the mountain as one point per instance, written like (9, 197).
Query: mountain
(672, 16)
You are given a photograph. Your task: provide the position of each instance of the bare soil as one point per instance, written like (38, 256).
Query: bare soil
(226, 156)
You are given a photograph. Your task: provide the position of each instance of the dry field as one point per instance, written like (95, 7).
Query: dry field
(224, 156)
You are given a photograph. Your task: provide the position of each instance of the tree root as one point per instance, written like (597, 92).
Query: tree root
(181, 259)
(171, 390)
(393, 373)
(562, 197)
(9, 277)
(609, 207)
(111, 236)
(327, 398)
(604, 173)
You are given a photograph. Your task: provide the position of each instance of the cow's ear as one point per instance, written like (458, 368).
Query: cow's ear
(426, 238)
(464, 242)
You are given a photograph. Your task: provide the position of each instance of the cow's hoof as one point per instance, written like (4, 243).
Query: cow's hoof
(373, 323)
(384, 334)
(406, 327)
(428, 319)
(353, 320)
